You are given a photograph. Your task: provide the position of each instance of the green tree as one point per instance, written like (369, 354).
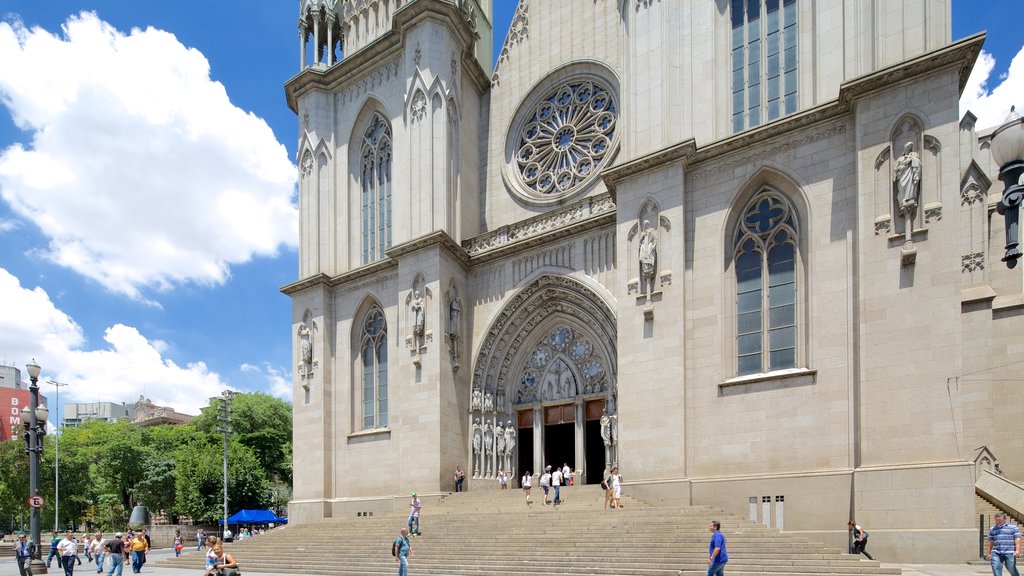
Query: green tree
(261, 422)
(199, 484)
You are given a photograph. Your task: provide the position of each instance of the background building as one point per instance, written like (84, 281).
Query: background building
(77, 413)
(744, 250)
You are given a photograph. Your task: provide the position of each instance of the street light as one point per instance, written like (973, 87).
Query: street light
(224, 420)
(34, 419)
(1008, 153)
(56, 455)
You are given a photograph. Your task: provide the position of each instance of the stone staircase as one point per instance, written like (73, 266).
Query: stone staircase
(987, 509)
(486, 533)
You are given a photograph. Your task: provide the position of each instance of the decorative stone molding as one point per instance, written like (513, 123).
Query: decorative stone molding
(518, 31)
(644, 4)
(418, 107)
(972, 262)
(932, 213)
(369, 82)
(307, 164)
(883, 225)
(417, 56)
(577, 213)
(774, 150)
(971, 194)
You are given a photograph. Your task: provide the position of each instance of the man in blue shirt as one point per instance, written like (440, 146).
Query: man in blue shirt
(403, 549)
(1003, 546)
(717, 556)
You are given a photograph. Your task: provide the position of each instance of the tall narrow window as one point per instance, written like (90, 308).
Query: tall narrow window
(373, 354)
(375, 190)
(765, 264)
(764, 82)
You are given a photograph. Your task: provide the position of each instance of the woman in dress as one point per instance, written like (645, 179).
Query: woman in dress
(615, 480)
(502, 479)
(179, 543)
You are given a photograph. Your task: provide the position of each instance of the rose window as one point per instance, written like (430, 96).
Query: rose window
(566, 137)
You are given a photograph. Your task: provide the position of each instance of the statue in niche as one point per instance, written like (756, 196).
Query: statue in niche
(476, 402)
(477, 446)
(418, 317)
(488, 449)
(648, 254)
(510, 438)
(454, 315)
(907, 176)
(606, 433)
(488, 402)
(305, 344)
(499, 400)
(499, 440)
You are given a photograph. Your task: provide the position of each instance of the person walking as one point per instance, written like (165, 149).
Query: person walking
(1003, 546)
(139, 546)
(502, 479)
(403, 550)
(545, 483)
(606, 484)
(414, 515)
(525, 483)
(566, 475)
(200, 539)
(99, 550)
(717, 555)
(178, 543)
(115, 548)
(556, 484)
(24, 551)
(68, 549)
(54, 540)
(615, 481)
(860, 540)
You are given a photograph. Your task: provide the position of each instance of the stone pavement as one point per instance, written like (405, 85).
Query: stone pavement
(8, 567)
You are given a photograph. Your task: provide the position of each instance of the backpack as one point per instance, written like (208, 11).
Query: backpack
(395, 546)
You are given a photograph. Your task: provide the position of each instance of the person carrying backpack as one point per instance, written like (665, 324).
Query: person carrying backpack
(401, 549)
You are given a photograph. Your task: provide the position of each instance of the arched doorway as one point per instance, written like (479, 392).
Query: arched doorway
(546, 370)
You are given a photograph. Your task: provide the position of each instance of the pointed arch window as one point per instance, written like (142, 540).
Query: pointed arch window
(375, 190)
(764, 61)
(373, 359)
(765, 263)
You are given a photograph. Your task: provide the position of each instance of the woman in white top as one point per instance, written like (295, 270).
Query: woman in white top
(502, 479)
(525, 482)
(615, 479)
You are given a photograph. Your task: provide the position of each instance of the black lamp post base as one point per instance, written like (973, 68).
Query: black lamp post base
(37, 566)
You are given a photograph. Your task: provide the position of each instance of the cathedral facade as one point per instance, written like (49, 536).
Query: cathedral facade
(745, 250)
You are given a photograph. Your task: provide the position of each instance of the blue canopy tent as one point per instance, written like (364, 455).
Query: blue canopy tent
(255, 517)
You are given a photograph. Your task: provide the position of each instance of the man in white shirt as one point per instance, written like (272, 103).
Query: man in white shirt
(545, 482)
(556, 483)
(99, 550)
(566, 475)
(68, 549)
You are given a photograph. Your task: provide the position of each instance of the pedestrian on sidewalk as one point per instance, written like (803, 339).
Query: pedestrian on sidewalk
(68, 550)
(525, 482)
(24, 551)
(414, 515)
(139, 547)
(545, 483)
(200, 539)
(606, 484)
(502, 479)
(115, 548)
(860, 540)
(54, 540)
(615, 481)
(460, 477)
(566, 475)
(403, 550)
(717, 555)
(556, 484)
(1003, 546)
(99, 550)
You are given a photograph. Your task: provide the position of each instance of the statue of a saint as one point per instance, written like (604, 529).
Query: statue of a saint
(488, 438)
(648, 254)
(305, 344)
(488, 402)
(418, 320)
(510, 438)
(907, 176)
(476, 402)
(477, 437)
(606, 431)
(499, 439)
(454, 315)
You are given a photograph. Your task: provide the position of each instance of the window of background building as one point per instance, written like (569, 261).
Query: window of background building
(764, 82)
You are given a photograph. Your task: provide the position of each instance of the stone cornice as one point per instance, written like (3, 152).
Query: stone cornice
(386, 48)
(434, 239)
(962, 53)
(305, 284)
(588, 213)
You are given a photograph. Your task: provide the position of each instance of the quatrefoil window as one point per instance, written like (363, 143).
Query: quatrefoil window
(565, 138)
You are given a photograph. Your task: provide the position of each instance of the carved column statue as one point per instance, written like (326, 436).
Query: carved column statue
(477, 448)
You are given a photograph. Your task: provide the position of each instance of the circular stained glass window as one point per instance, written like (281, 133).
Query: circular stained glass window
(565, 138)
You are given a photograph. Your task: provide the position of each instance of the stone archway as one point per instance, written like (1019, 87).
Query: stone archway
(543, 377)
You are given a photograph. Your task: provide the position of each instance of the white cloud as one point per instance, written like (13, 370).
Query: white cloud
(7, 225)
(128, 366)
(992, 104)
(140, 170)
(275, 381)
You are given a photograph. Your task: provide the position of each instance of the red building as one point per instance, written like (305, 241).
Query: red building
(12, 400)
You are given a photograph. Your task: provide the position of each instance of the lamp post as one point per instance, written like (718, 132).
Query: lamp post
(34, 419)
(56, 455)
(1008, 153)
(224, 420)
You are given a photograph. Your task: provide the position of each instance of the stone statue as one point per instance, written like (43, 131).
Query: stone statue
(499, 440)
(454, 316)
(648, 254)
(488, 439)
(488, 402)
(476, 402)
(613, 428)
(907, 176)
(606, 432)
(510, 438)
(418, 317)
(305, 344)
(477, 438)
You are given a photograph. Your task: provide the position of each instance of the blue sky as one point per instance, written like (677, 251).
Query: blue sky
(147, 215)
